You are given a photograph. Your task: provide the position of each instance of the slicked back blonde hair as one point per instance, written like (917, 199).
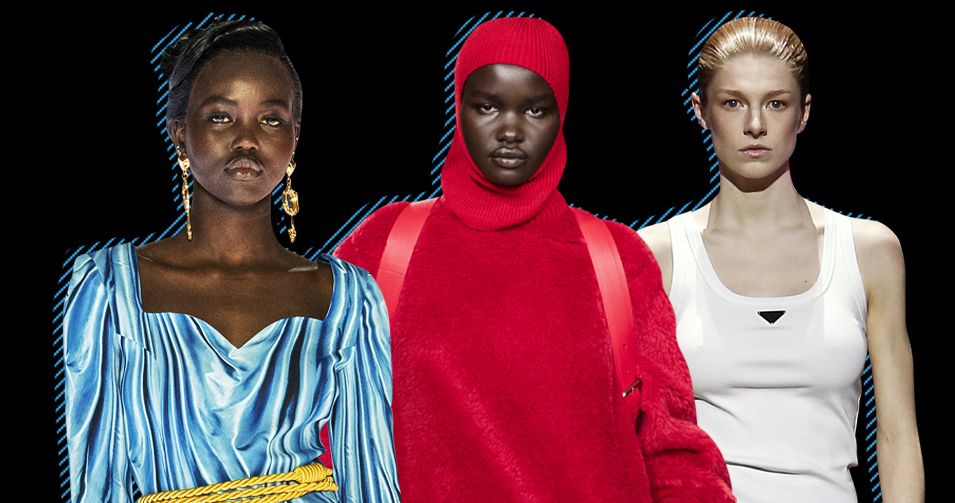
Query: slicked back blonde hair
(757, 36)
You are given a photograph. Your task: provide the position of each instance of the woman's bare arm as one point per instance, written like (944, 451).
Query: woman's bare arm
(898, 449)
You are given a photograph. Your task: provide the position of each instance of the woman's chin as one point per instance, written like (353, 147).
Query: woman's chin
(507, 177)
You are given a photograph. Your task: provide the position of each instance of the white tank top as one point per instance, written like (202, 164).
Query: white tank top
(776, 379)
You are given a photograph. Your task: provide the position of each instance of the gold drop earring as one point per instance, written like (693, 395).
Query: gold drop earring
(290, 201)
(184, 166)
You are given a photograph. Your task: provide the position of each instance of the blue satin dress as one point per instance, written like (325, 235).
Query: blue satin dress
(167, 402)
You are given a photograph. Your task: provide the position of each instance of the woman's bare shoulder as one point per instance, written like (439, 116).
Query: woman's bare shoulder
(167, 252)
(319, 270)
(879, 254)
(657, 237)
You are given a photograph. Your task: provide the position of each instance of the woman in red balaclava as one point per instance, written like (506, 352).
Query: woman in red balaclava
(503, 368)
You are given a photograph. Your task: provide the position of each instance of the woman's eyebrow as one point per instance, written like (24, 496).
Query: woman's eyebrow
(736, 92)
(217, 99)
(542, 97)
(482, 94)
(276, 103)
(491, 96)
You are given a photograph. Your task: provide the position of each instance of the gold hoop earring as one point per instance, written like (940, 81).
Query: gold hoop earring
(184, 166)
(290, 201)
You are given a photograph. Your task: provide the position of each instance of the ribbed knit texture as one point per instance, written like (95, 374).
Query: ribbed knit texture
(533, 44)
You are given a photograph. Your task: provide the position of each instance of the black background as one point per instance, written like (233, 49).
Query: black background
(374, 109)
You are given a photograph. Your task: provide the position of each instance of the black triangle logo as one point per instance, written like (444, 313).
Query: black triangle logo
(771, 316)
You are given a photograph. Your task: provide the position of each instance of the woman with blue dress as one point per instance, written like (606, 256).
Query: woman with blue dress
(217, 355)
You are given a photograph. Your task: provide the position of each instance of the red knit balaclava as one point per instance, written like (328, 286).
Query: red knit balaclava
(533, 44)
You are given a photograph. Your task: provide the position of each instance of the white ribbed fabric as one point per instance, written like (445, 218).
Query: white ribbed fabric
(780, 399)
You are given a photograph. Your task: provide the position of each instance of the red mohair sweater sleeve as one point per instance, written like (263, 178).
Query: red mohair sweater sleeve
(683, 463)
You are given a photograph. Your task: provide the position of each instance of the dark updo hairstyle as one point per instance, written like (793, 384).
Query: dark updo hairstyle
(183, 60)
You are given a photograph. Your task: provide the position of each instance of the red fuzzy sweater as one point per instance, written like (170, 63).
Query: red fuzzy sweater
(503, 371)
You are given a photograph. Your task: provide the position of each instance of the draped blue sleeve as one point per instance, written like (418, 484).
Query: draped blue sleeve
(361, 425)
(95, 431)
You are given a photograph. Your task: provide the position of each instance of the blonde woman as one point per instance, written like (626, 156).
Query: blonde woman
(778, 299)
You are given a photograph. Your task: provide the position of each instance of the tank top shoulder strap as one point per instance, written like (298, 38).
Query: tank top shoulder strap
(683, 267)
(846, 266)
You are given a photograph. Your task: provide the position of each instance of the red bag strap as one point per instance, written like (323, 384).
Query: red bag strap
(615, 294)
(398, 249)
(391, 272)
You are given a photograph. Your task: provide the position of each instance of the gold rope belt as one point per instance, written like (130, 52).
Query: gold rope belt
(272, 488)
